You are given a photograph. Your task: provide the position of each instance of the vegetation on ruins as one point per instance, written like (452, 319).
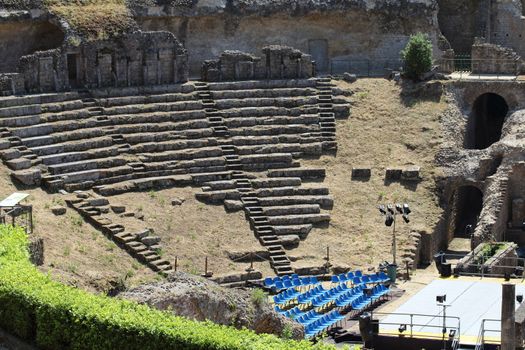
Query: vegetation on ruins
(94, 19)
(417, 55)
(55, 316)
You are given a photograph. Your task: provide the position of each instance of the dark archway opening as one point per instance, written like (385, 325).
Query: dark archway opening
(488, 115)
(469, 202)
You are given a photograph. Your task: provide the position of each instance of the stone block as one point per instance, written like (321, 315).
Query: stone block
(310, 270)
(118, 209)
(150, 240)
(411, 174)
(58, 210)
(30, 177)
(19, 163)
(142, 234)
(98, 202)
(393, 174)
(177, 201)
(290, 241)
(349, 78)
(361, 173)
(233, 205)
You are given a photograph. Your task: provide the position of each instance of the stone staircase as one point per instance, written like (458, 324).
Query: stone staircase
(238, 140)
(89, 208)
(258, 222)
(326, 114)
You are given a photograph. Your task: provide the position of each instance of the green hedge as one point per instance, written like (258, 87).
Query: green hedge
(55, 316)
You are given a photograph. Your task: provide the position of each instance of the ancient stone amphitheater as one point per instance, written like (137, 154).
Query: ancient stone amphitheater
(239, 141)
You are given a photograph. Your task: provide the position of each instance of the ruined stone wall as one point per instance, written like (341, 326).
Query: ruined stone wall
(494, 170)
(278, 62)
(461, 21)
(140, 58)
(25, 36)
(350, 30)
(495, 59)
(508, 25)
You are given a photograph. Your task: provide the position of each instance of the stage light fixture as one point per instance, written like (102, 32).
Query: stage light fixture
(405, 217)
(441, 298)
(399, 208)
(519, 298)
(382, 209)
(406, 209)
(402, 328)
(390, 208)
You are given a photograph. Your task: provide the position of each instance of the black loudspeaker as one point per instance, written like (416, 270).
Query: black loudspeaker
(446, 270)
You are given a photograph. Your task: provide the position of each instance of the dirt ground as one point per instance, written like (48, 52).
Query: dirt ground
(385, 130)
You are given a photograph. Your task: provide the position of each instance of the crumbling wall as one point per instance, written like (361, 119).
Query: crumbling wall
(361, 32)
(462, 21)
(495, 59)
(279, 62)
(508, 25)
(23, 36)
(139, 58)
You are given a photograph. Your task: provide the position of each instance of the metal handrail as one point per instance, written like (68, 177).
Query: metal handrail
(480, 265)
(412, 324)
(480, 342)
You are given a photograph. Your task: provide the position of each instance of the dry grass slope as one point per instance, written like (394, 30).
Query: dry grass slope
(94, 19)
(384, 130)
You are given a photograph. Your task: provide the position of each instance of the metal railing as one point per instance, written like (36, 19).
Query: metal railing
(480, 342)
(410, 320)
(512, 267)
(365, 67)
(482, 69)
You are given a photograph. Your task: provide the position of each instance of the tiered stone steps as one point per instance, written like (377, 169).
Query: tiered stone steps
(130, 242)
(214, 135)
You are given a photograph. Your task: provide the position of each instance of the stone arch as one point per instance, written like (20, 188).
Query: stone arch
(468, 203)
(485, 125)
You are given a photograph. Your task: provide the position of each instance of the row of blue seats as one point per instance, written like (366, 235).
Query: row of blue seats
(289, 281)
(286, 296)
(329, 295)
(357, 278)
(302, 298)
(326, 321)
(366, 300)
(348, 297)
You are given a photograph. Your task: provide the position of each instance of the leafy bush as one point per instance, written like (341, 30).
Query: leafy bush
(417, 55)
(259, 297)
(55, 316)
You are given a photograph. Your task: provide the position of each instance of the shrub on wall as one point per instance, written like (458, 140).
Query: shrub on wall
(55, 316)
(417, 55)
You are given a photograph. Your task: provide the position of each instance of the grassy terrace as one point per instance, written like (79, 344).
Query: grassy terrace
(55, 316)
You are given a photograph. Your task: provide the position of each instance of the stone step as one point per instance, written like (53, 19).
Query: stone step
(291, 210)
(299, 219)
(124, 237)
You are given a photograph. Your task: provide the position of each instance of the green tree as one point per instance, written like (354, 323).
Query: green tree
(417, 55)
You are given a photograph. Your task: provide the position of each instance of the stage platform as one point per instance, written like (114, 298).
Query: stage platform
(470, 300)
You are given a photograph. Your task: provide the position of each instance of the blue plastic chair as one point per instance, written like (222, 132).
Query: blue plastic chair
(358, 273)
(268, 282)
(335, 279)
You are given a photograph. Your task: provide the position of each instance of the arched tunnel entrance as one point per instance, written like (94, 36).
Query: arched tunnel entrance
(488, 115)
(468, 205)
